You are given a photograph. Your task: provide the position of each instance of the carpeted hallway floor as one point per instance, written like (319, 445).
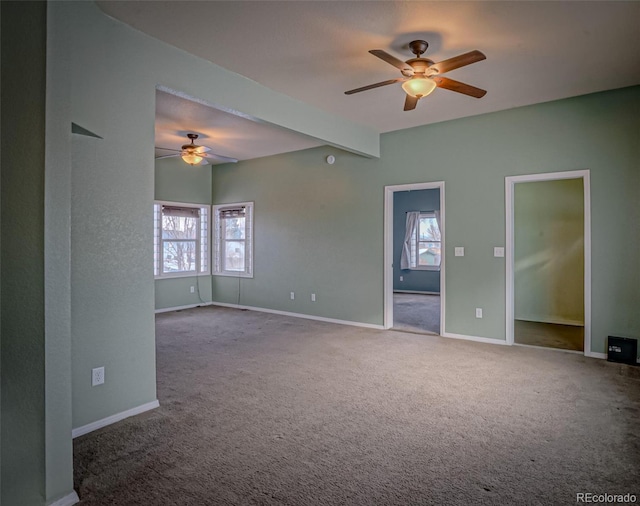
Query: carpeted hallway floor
(271, 410)
(549, 335)
(416, 312)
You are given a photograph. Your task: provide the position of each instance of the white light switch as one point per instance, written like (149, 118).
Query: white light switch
(498, 252)
(459, 251)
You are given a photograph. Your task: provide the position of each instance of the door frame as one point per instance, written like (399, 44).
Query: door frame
(388, 247)
(510, 183)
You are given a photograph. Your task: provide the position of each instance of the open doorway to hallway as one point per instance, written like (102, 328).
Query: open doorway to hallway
(548, 277)
(414, 237)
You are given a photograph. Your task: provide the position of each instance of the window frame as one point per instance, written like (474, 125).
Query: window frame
(417, 241)
(219, 240)
(202, 241)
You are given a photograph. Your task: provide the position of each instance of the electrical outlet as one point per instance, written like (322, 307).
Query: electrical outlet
(97, 376)
(401, 278)
(498, 252)
(478, 312)
(459, 251)
(192, 289)
(293, 296)
(313, 297)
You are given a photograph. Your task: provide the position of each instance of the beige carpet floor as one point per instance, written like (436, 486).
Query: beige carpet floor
(270, 410)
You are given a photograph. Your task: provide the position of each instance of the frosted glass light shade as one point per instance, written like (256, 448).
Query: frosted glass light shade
(419, 86)
(192, 158)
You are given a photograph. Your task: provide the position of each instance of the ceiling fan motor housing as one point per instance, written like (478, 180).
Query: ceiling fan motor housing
(419, 66)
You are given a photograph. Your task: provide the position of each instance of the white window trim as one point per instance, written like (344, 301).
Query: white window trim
(418, 267)
(158, 274)
(217, 240)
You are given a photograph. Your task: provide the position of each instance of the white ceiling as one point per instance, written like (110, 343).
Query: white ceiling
(313, 51)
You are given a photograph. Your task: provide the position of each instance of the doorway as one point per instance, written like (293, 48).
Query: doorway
(413, 263)
(548, 261)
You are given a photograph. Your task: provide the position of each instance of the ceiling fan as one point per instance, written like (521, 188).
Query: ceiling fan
(194, 154)
(422, 76)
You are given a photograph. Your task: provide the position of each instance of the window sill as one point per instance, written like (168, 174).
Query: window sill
(233, 274)
(183, 275)
(424, 269)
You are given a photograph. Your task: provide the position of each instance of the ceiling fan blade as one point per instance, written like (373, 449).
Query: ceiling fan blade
(458, 61)
(167, 156)
(410, 103)
(168, 149)
(391, 60)
(457, 86)
(202, 149)
(224, 159)
(376, 85)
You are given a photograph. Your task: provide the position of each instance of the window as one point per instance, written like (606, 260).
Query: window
(181, 239)
(234, 239)
(426, 247)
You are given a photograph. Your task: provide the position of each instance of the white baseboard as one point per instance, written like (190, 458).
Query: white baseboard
(488, 340)
(300, 315)
(180, 308)
(464, 337)
(67, 500)
(98, 424)
(555, 321)
(416, 291)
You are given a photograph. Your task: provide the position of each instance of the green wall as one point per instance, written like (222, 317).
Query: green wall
(58, 196)
(319, 227)
(549, 251)
(176, 181)
(22, 252)
(313, 234)
(35, 278)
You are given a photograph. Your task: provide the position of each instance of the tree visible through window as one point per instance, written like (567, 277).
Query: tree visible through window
(179, 243)
(234, 237)
(181, 239)
(428, 242)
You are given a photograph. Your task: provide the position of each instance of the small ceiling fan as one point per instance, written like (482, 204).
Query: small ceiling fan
(422, 76)
(194, 154)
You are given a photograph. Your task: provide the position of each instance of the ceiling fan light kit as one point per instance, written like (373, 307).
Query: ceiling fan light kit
(422, 76)
(194, 154)
(419, 86)
(192, 159)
